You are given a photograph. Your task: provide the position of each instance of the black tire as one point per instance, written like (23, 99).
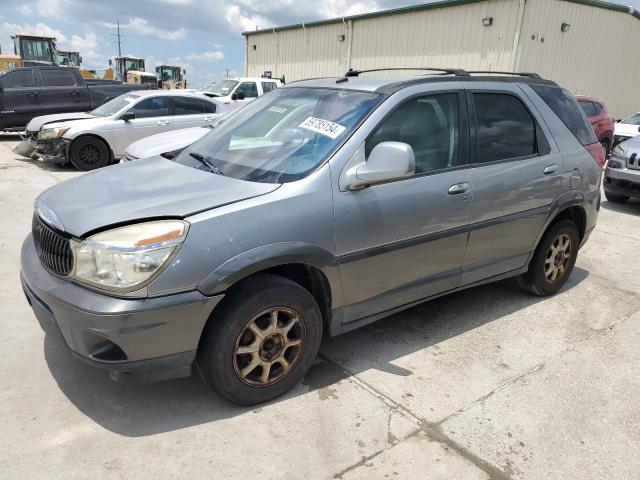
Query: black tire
(89, 153)
(535, 280)
(221, 366)
(615, 198)
(606, 144)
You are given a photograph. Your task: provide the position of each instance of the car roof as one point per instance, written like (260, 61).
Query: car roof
(170, 93)
(388, 84)
(589, 99)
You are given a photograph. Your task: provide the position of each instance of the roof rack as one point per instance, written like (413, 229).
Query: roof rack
(450, 71)
(494, 72)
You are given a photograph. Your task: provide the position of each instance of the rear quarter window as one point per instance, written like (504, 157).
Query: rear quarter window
(566, 107)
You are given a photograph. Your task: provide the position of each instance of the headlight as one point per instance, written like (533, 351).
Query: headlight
(126, 258)
(49, 133)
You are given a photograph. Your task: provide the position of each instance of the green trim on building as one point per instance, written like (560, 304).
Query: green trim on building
(428, 6)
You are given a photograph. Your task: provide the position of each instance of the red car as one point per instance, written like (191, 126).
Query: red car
(602, 123)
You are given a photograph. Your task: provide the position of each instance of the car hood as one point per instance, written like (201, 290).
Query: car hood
(165, 142)
(628, 147)
(626, 129)
(36, 124)
(150, 188)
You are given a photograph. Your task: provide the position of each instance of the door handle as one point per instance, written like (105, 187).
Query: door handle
(209, 117)
(459, 188)
(163, 122)
(550, 169)
(33, 94)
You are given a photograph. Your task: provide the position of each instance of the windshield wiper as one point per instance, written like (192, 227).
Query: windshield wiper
(201, 158)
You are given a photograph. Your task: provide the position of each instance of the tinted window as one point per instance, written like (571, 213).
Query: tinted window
(505, 128)
(17, 79)
(268, 86)
(588, 108)
(429, 125)
(250, 89)
(632, 119)
(566, 107)
(58, 78)
(151, 107)
(597, 107)
(191, 106)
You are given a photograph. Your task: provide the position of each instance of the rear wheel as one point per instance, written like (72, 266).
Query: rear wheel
(553, 260)
(260, 341)
(615, 198)
(88, 153)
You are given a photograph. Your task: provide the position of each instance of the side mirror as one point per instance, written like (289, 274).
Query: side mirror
(127, 116)
(237, 96)
(618, 120)
(387, 161)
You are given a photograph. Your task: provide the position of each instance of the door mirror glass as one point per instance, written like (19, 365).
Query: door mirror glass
(387, 161)
(126, 116)
(237, 96)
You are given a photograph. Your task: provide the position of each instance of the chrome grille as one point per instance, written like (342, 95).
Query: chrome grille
(53, 248)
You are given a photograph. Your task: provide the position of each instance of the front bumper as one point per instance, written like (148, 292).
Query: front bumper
(142, 339)
(27, 147)
(54, 150)
(622, 181)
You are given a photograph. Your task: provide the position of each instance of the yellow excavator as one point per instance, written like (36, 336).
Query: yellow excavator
(171, 77)
(130, 70)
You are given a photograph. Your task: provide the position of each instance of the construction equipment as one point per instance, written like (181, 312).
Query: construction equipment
(35, 50)
(68, 59)
(170, 77)
(9, 61)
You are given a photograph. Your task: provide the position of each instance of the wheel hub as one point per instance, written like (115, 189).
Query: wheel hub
(271, 347)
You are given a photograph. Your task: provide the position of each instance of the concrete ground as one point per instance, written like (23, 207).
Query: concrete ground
(490, 383)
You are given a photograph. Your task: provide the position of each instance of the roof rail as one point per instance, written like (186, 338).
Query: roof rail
(450, 71)
(517, 74)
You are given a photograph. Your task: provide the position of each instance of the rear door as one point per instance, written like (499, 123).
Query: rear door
(191, 112)
(517, 173)
(19, 99)
(152, 115)
(62, 91)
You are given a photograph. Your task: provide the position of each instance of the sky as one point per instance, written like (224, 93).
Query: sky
(203, 36)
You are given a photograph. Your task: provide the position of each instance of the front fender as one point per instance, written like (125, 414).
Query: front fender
(268, 256)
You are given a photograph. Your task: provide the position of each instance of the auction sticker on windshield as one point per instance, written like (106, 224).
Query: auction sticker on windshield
(324, 127)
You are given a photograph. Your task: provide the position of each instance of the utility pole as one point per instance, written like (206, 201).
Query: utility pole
(119, 43)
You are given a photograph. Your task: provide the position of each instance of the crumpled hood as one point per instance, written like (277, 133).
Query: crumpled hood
(626, 129)
(36, 124)
(150, 188)
(165, 142)
(629, 147)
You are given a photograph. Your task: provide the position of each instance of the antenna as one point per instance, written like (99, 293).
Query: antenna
(118, 37)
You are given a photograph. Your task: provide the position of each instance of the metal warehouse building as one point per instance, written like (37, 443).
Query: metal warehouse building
(587, 46)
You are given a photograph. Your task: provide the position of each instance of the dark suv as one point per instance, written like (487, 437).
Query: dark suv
(316, 209)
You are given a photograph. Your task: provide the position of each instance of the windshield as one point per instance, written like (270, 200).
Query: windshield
(632, 119)
(167, 73)
(222, 88)
(281, 137)
(113, 106)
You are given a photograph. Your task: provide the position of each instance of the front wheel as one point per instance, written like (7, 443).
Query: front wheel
(553, 260)
(261, 340)
(89, 153)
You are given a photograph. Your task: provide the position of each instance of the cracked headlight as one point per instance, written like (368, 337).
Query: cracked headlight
(49, 133)
(127, 258)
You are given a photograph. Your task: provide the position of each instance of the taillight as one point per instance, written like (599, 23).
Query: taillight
(597, 152)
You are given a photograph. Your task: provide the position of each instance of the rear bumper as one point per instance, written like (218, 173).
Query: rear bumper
(142, 339)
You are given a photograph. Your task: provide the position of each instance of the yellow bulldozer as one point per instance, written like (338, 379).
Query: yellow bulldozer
(131, 70)
(170, 77)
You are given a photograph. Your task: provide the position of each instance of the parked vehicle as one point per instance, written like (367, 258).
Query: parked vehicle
(241, 89)
(622, 176)
(166, 144)
(170, 77)
(35, 50)
(321, 207)
(602, 123)
(7, 62)
(29, 92)
(627, 128)
(101, 137)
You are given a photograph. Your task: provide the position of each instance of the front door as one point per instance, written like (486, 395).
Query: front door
(403, 241)
(517, 173)
(152, 116)
(20, 98)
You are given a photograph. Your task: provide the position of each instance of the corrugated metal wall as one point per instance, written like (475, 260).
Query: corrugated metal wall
(598, 56)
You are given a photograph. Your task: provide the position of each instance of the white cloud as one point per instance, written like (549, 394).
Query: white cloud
(143, 27)
(53, 8)
(215, 56)
(41, 29)
(25, 10)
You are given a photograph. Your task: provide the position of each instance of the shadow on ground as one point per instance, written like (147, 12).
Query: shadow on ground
(145, 409)
(631, 206)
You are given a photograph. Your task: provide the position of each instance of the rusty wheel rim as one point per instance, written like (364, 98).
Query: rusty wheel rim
(558, 258)
(269, 346)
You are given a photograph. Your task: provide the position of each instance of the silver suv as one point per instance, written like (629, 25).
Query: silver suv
(316, 209)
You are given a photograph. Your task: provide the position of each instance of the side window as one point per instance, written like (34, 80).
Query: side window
(191, 106)
(429, 124)
(597, 108)
(250, 89)
(58, 78)
(268, 86)
(588, 108)
(505, 128)
(151, 107)
(17, 79)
